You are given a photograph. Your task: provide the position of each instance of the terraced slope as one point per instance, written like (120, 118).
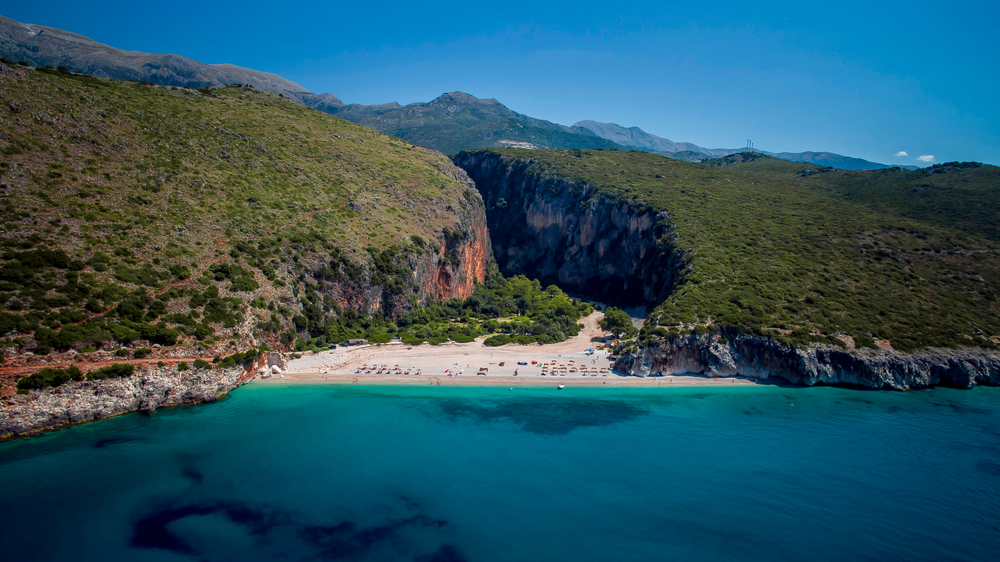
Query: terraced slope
(203, 221)
(795, 253)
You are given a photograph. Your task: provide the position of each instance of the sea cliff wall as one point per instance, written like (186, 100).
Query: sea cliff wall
(150, 387)
(621, 252)
(447, 268)
(760, 358)
(555, 230)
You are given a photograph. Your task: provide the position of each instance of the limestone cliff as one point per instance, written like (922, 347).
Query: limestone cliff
(461, 261)
(446, 268)
(149, 388)
(551, 228)
(545, 225)
(765, 359)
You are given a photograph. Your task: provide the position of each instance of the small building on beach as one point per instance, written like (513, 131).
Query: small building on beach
(357, 342)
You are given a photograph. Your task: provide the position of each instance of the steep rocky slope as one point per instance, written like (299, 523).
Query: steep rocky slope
(203, 222)
(550, 228)
(150, 388)
(719, 355)
(764, 267)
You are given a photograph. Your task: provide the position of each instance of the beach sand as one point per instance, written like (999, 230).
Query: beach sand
(460, 364)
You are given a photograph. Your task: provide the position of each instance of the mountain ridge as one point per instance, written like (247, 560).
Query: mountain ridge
(456, 121)
(468, 123)
(634, 136)
(39, 45)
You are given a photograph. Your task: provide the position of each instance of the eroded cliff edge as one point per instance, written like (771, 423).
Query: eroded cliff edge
(556, 230)
(393, 279)
(150, 387)
(622, 252)
(713, 355)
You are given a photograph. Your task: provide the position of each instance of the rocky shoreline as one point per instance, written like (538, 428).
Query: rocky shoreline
(764, 359)
(151, 387)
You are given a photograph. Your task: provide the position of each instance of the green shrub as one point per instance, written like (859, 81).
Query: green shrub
(142, 353)
(202, 364)
(116, 371)
(865, 341)
(379, 338)
(411, 339)
(49, 377)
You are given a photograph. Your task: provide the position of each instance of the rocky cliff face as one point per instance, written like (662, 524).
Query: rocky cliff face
(452, 271)
(551, 229)
(463, 257)
(761, 358)
(146, 390)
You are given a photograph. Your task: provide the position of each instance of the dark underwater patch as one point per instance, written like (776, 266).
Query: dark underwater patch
(447, 553)
(346, 540)
(966, 409)
(113, 441)
(151, 531)
(189, 470)
(193, 475)
(544, 416)
(989, 467)
(339, 541)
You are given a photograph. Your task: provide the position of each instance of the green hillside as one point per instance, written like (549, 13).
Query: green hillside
(805, 254)
(200, 218)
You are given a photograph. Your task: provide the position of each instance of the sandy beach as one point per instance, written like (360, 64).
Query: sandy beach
(576, 362)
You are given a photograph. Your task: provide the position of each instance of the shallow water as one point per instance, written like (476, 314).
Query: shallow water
(449, 474)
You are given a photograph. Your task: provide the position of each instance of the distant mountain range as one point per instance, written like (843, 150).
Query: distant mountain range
(38, 45)
(457, 121)
(450, 123)
(634, 136)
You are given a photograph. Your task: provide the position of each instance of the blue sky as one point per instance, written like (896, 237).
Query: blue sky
(866, 79)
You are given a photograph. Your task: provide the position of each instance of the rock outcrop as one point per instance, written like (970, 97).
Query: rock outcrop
(553, 229)
(149, 388)
(451, 272)
(764, 359)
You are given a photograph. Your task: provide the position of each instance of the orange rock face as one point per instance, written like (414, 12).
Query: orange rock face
(451, 281)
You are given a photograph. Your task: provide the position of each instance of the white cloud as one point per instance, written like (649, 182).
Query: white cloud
(926, 158)
(901, 153)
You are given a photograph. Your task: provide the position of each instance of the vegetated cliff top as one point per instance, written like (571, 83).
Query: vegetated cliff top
(226, 205)
(801, 253)
(458, 121)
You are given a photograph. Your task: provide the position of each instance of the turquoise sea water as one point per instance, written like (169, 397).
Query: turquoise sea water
(449, 474)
